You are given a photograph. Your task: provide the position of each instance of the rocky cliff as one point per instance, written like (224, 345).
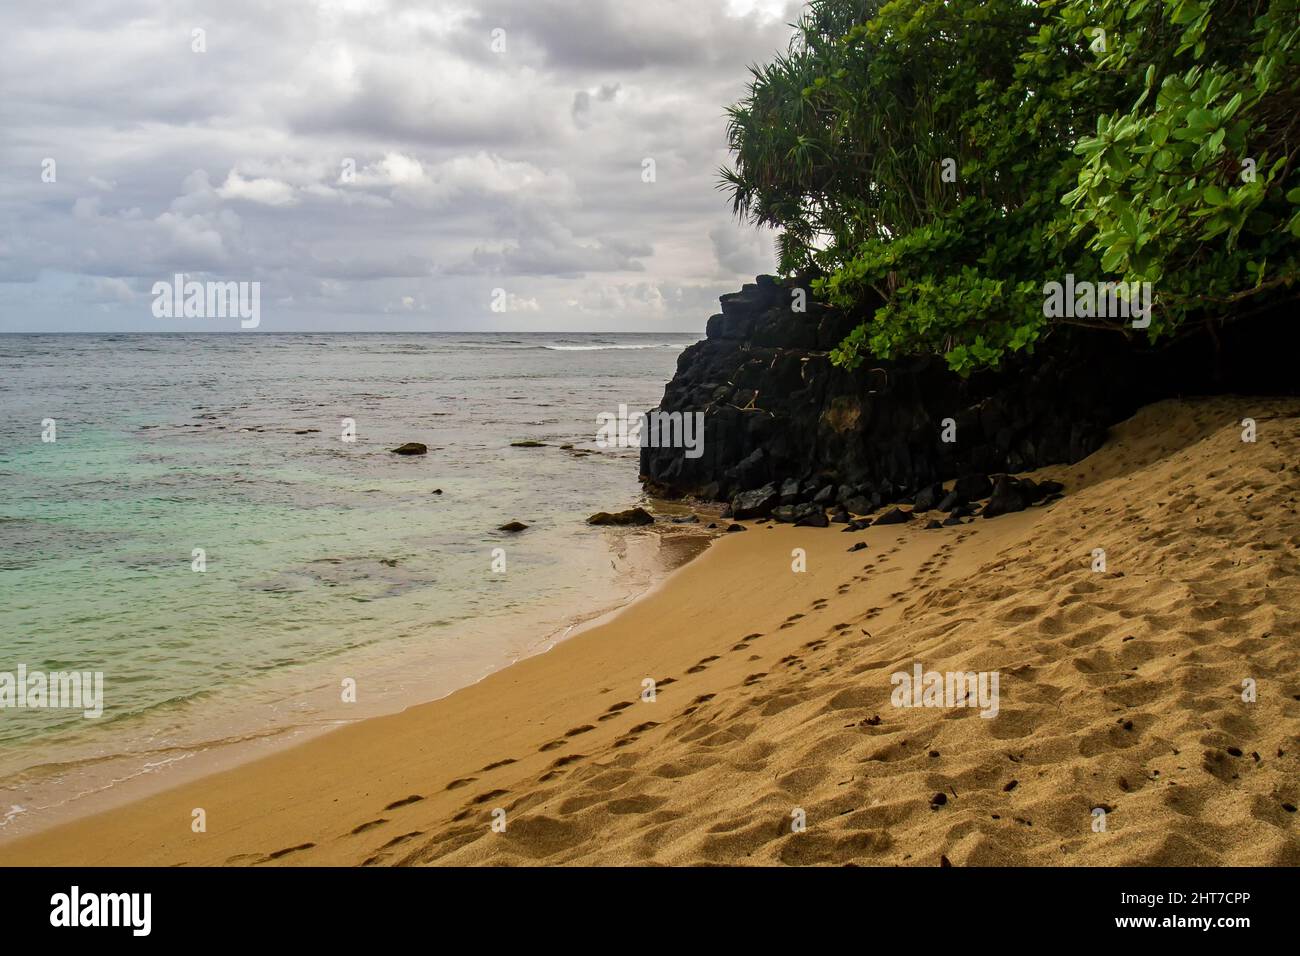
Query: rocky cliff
(777, 411)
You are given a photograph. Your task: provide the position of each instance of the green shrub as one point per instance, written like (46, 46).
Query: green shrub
(950, 157)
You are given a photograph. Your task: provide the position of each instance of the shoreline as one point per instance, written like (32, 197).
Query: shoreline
(462, 736)
(773, 697)
(151, 772)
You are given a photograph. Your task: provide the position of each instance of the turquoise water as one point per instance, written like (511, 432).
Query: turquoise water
(325, 559)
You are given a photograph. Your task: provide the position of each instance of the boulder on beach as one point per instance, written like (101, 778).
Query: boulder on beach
(951, 502)
(858, 505)
(973, 487)
(411, 448)
(894, 516)
(755, 504)
(1009, 495)
(632, 516)
(793, 514)
(928, 497)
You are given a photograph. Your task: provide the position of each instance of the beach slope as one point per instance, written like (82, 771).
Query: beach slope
(1163, 691)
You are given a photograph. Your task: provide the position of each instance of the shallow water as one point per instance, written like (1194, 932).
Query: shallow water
(326, 560)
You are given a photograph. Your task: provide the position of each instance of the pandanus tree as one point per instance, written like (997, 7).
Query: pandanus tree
(950, 157)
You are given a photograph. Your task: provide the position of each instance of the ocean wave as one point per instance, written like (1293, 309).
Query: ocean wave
(602, 348)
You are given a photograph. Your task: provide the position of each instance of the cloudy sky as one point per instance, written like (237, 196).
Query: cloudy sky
(375, 164)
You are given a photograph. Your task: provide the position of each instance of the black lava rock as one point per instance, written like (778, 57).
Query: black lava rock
(973, 487)
(754, 504)
(411, 448)
(1007, 497)
(928, 497)
(632, 516)
(815, 520)
(792, 514)
(894, 516)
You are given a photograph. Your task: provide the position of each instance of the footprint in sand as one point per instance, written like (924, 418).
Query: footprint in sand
(462, 782)
(702, 665)
(617, 711)
(368, 825)
(405, 801)
(286, 851)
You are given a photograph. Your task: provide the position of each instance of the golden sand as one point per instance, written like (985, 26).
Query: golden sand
(1120, 690)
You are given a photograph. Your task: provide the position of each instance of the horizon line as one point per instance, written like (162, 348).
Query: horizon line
(362, 332)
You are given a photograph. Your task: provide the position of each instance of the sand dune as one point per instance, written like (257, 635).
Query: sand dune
(1119, 689)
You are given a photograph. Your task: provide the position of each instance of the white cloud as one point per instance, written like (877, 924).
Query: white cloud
(268, 192)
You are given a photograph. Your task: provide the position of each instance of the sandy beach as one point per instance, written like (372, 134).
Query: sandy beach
(1120, 690)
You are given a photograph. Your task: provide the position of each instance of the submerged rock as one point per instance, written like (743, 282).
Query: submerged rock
(513, 526)
(632, 516)
(411, 448)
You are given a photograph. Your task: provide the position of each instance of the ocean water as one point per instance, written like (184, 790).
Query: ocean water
(326, 560)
